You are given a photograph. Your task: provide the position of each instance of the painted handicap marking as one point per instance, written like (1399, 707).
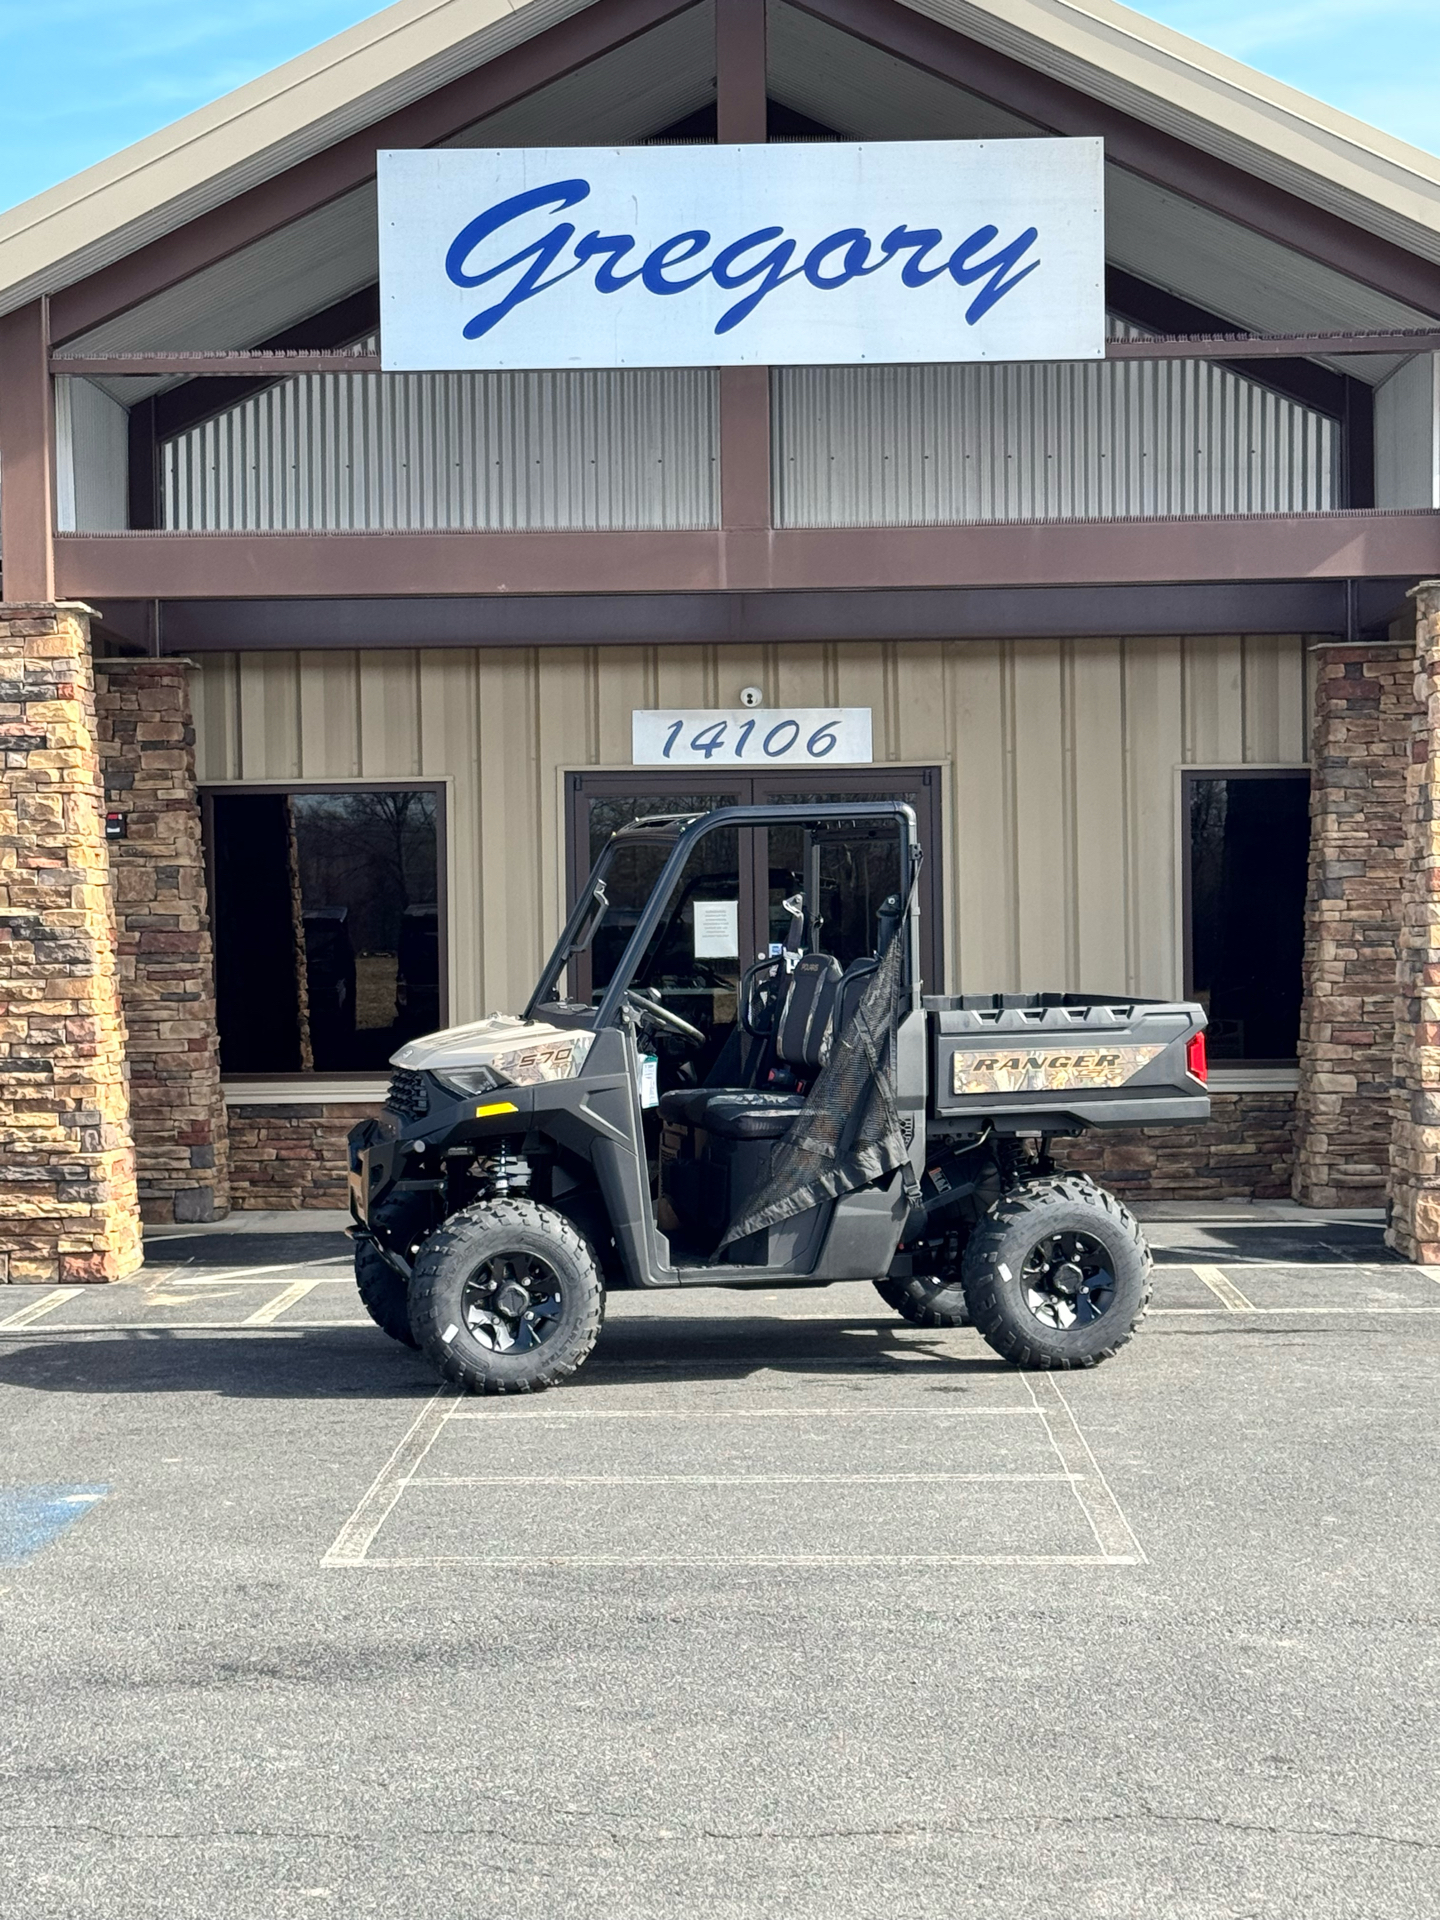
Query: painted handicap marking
(31, 1517)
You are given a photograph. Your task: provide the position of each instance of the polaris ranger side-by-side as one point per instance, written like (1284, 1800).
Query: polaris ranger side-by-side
(811, 1118)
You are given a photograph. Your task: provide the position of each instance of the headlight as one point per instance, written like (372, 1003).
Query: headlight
(470, 1079)
(523, 1066)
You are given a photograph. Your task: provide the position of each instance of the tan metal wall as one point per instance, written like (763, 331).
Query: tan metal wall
(1060, 758)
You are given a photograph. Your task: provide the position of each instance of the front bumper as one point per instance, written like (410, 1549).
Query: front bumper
(383, 1151)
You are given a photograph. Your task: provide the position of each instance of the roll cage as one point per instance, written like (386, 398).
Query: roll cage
(680, 832)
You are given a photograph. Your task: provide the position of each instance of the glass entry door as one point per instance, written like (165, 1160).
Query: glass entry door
(735, 897)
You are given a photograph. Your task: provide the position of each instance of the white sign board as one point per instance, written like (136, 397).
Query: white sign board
(813, 254)
(717, 929)
(752, 737)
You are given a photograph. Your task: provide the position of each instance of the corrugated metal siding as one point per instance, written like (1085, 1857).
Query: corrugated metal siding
(1059, 758)
(380, 452)
(906, 446)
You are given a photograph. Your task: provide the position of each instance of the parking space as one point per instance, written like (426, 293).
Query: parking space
(782, 1606)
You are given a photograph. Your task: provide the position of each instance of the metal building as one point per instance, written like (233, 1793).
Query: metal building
(1110, 621)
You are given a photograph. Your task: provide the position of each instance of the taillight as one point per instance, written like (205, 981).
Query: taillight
(1195, 1057)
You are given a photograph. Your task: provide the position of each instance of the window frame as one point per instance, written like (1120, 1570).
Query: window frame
(270, 787)
(1287, 770)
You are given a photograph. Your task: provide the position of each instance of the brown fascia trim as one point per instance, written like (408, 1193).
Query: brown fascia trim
(200, 566)
(176, 628)
(1159, 157)
(275, 203)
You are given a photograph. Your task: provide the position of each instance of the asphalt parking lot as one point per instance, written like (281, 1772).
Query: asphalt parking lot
(783, 1607)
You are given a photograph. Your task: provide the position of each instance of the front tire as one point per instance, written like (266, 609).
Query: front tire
(1057, 1274)
(506, 1297)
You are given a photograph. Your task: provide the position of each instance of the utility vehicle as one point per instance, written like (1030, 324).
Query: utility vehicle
(686, 1119)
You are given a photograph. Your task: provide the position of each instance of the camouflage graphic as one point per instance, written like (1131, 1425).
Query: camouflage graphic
(1048, 1069)
(546, 1060)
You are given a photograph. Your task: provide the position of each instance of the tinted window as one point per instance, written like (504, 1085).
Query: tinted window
(1249, 849)
(327, 927)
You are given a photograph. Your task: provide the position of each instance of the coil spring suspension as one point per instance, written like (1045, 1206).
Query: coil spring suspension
(503, 1172)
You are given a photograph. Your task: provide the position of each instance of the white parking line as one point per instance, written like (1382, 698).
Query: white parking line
(183, 1326)
(353, 1540)
(1280, 1313)
(182, 1276)
(531, 1562)
(288, 1297)
(723, 1479)
(498, 1414)
(1079, 1471)
(47, 1303)
(1223, 1289)
(1113, 1534)
(232, 1274)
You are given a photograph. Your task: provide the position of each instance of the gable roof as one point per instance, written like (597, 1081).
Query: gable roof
(260, 130)
(398, 56)
(1216, 104)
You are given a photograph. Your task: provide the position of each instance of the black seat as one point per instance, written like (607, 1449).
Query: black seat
(803, 1032)
(749, 1113)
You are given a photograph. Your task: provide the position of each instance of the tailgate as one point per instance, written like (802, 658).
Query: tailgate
(1126, 1064)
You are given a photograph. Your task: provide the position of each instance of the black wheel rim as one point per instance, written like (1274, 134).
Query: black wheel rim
(1068, 1280)
(512, 1302)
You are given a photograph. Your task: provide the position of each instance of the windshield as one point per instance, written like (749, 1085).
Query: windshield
(692, 960)
(605, 915)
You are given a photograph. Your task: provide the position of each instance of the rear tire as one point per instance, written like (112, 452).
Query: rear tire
(506, 1297)
(926, 1300)
(1057, 1274)
(383, 1292)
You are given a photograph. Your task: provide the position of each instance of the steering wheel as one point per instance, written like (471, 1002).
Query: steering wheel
(656, 1013)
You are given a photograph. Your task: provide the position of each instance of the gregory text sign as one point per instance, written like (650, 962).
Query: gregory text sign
(927, 250)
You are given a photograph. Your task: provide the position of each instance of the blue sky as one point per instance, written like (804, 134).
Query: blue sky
(86, 77)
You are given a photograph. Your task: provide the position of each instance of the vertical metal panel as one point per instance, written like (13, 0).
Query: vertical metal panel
(1407, 435)
(606, 451)
(92, 459)
(907, 446)
(1059, 757)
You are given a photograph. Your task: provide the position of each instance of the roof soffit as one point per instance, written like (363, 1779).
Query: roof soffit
(251, 294)
(385, 63)
(1216, 104)
(1174, 243)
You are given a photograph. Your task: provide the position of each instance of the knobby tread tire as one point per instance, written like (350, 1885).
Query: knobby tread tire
(383, 1294)
(1010, 1230)
(925, 1301)
(446, 1259)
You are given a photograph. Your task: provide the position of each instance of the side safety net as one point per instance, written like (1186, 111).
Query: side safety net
(849, 1133)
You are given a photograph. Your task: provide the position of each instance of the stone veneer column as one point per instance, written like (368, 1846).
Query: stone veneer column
(67, 1171)
(1415, 1149)
(167, 971)
(1364, 715)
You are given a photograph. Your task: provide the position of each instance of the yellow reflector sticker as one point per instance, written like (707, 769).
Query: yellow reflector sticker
(496, 1106)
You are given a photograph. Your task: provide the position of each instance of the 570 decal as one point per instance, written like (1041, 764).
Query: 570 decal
(777, 737)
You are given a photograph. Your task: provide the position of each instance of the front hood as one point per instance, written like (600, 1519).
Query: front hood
(531, 1050)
